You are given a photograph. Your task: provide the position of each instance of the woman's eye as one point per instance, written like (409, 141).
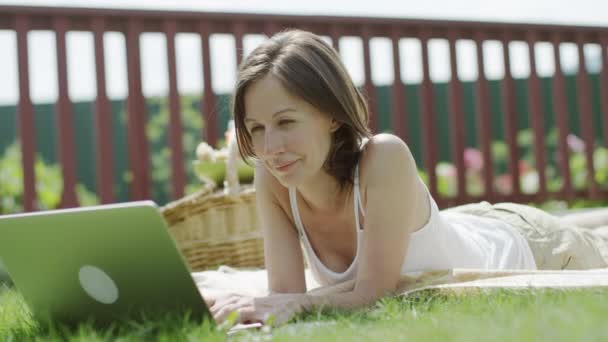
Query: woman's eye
(255, 129)
(285, 122)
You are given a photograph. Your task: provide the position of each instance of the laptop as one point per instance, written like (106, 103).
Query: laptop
(103, 264)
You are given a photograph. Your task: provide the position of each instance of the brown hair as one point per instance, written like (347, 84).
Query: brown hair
(310, 69)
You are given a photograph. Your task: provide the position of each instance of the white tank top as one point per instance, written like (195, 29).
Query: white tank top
(448, 240)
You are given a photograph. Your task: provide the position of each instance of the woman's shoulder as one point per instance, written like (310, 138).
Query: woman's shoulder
(383, 141)
(388, 172)
(385, 158)
(384, 152)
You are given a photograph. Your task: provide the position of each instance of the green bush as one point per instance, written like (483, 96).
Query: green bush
(157, 132)
(49, 183)
(503, 182)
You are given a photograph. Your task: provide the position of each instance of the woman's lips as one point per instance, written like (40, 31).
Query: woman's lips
(285, 167)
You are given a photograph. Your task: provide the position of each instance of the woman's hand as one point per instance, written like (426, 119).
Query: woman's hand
(274, 309)
(209, 300)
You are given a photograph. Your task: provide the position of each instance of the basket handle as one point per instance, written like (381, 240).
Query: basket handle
(231, 184)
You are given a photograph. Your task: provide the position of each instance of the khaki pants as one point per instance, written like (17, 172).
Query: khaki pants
(554, 244)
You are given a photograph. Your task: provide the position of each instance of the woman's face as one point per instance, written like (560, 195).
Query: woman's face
(291, 137)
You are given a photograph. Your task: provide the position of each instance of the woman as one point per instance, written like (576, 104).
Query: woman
(354, 201)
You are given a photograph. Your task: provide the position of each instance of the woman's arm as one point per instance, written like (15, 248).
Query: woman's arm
(396, 205)
(282, 251)
(282, 256)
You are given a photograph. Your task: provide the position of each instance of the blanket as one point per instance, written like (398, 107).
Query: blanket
(253, 281)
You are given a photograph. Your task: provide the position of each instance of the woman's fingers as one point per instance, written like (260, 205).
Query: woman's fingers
(243, 314)
(247, 314)
(209, 301)
(247, 309)
(223, 313)
(222, 302)
(242, 306)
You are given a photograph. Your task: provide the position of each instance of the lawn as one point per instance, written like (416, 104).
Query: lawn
(526, 315)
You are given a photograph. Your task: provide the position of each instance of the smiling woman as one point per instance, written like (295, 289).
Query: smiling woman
(298, 82)
(281, 131)
(355, 202)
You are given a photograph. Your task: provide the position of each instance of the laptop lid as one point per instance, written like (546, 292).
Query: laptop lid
(104, 263)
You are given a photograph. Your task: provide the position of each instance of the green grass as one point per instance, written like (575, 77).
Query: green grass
(526, 315)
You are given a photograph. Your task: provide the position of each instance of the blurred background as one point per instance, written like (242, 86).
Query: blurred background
(495, 157)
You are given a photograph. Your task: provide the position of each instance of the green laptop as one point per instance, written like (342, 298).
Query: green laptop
(104, 263)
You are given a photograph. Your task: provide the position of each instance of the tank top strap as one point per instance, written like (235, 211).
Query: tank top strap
(358, 207)
(294, 210)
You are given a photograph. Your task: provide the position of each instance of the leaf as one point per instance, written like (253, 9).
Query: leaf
(215, 171)
(229, 322)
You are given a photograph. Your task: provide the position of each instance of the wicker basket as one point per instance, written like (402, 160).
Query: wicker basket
(217, 228)
(214, 229)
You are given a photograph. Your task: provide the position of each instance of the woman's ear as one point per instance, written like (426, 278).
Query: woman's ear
(334, 125)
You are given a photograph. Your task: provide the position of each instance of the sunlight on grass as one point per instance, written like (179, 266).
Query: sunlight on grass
(532, 315)
(500, 315)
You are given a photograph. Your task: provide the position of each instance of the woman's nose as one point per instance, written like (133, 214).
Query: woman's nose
(273, 142)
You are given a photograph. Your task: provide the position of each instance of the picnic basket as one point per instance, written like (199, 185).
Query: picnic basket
(218, 227)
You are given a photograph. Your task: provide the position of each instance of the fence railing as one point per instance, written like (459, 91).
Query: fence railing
(132, 23)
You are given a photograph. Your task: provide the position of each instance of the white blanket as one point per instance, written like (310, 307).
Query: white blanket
(254, 282)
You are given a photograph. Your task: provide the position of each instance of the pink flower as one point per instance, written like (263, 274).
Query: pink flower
(575, 143)
(504, 184)
(473, 159)
(524, 167)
